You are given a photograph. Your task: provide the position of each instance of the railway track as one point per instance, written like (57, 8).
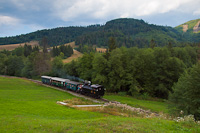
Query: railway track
(72, 93)
(106, 102)
(101, 100)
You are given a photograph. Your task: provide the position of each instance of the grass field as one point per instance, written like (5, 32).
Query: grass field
(28, 107)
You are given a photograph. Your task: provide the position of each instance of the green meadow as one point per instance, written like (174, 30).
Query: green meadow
(29, 107)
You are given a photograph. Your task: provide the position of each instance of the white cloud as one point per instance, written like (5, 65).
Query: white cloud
(71, 10)
(196, 12)
(7, 20)
(10, 26)
(30, 14)
(102, 9)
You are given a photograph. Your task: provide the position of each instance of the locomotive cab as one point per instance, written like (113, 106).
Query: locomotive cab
(95, 90)
(99, 89)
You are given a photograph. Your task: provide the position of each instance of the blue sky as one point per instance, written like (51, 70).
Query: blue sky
(24, 16)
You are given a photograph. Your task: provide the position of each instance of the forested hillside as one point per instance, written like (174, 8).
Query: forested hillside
(57, 36)
(131, 32)
(127, 32)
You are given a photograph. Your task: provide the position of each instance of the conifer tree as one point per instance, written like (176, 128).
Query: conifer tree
(112, 44)
(44, 43)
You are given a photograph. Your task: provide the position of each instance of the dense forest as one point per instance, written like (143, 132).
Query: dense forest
(127, 32)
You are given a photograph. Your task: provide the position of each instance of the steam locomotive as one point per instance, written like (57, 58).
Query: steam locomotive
(86, 88)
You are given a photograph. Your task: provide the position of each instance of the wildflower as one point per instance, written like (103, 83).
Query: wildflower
(181, 112)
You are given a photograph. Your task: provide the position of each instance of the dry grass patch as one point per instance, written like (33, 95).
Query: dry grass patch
(185, 27)
(101, 50)
(78, 101)
(72, 44)
(110, 109)
(13, 46)
(75, 56)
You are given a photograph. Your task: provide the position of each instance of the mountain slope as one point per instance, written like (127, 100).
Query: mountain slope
(127, 32)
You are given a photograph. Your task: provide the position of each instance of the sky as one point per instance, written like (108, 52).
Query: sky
(25, 16)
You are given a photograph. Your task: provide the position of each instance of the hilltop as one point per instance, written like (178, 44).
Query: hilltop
(127, 32)
(190, 26)
(190, 30)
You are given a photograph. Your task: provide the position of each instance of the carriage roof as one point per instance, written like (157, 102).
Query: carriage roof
(74, 82)
(46, 77)
(60, 79)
